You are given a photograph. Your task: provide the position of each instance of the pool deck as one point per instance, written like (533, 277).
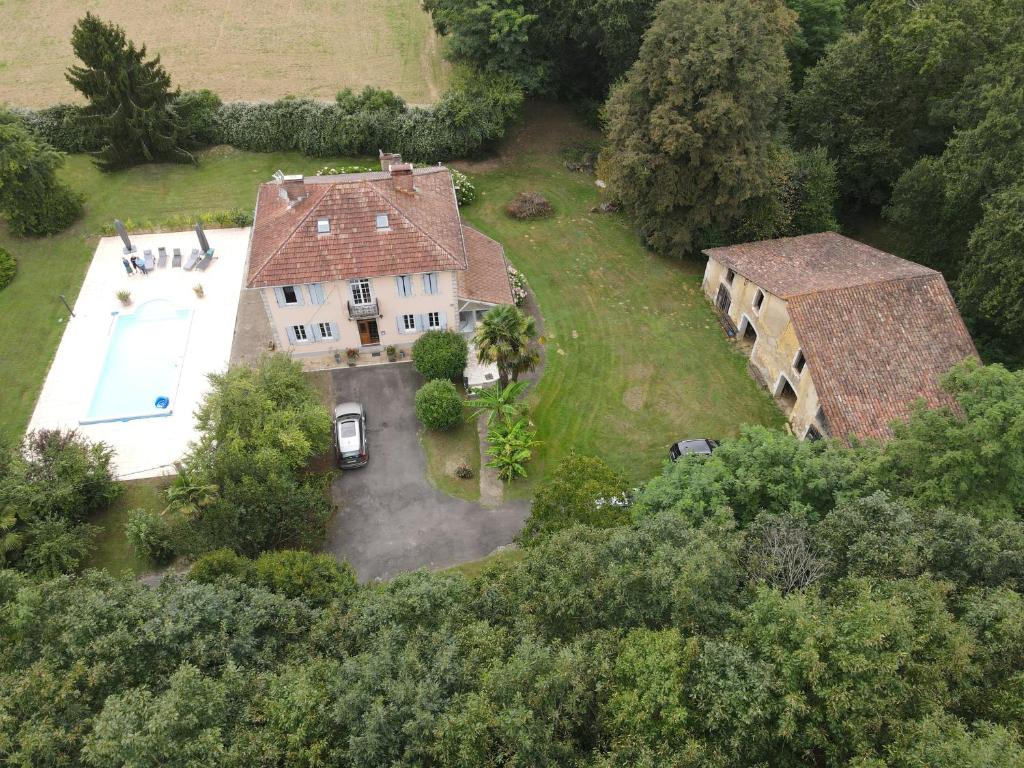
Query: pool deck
(146, 447)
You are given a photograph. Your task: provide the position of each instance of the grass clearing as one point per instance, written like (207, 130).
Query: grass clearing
(474, 568)
(635, 357)
(445, 451)
(313, 48)
(112, 550)
(32, 312)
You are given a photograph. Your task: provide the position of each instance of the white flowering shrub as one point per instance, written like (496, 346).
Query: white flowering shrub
(518, 282)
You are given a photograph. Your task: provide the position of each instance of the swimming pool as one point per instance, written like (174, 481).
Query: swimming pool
(143, 364)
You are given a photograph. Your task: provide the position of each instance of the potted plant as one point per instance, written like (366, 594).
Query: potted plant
(391, 352)
(198, 288)
(124, 297)
(353, 355)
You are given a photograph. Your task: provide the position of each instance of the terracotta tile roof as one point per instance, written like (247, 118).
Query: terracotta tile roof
(791, 266)
(874, 349)
(424, 233)
(486, 279)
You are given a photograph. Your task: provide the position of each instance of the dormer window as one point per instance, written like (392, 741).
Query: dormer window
(382, 221)
(323, 226)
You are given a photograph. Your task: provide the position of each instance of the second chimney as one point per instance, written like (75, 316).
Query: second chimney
(401, 177)
(293, 188)
(388, 159)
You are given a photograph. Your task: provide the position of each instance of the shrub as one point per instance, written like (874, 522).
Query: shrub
(234, 217)
(440, 355)
(510, 446)
(317, 579)
(464, 471)
(197, 111)
(62, 126)
(8, 268)
(151, 535)
(220, 562)
(465, 191)
(56, 545)
(529, 205)
(438, 405)
(518, 282)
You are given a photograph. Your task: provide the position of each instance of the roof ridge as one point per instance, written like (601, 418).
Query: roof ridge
(459, 264)
(930, 275)
(288, 237)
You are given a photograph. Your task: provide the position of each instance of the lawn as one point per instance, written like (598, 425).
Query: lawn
(266, 51)
(32, 313)
(112, 551)
(635, 357)
(445, 451)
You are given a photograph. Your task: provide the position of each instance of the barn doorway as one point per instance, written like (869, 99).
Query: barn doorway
(786, 395)
(723, 300)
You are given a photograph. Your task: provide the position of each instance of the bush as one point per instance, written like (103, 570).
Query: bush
(465, 191)
(198, 110)
(529, 205)
(438, 405)
(8, 268)
(464, 471)
(440, 355)
(62, 126)
(56, 545)
(317, 579)
(220, 562)
(151, 536)
(518, 282)
(234, 217)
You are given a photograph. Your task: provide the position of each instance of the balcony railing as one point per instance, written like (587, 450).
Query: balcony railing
(364, 311)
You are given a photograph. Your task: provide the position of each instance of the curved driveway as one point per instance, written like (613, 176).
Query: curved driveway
(390, 518)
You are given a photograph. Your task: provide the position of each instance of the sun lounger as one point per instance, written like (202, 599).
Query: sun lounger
(150, 261)
(162, 261)
(207, 261)
(193, 259)
(176, 259)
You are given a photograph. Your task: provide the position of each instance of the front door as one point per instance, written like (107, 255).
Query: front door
(723, 301)
(368, 335)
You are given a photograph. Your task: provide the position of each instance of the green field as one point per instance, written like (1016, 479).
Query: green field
(312, 48)
(112, 550)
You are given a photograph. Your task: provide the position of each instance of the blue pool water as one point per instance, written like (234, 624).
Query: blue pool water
(143, 364)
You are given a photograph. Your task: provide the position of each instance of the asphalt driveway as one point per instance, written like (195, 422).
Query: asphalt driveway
(390, 518)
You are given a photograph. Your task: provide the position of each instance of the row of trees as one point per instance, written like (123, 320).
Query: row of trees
(779, 603)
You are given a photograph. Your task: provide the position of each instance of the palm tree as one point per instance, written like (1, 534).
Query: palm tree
(498, 402)
(189, 495)
(510, 446)
(505, 337)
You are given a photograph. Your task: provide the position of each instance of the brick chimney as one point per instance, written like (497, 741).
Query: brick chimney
(292, 188)
(388, 159)
(401, 177)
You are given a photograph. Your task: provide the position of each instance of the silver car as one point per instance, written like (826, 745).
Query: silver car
(350, 435)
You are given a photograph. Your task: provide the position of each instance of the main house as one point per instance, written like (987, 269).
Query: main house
(368, 260)
(846, 337)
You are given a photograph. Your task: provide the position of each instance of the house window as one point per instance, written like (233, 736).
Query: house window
(729, 275)
(323, 226)
(430, 283)
(404, 285)
(433, 319)
(361, 291)
(326, 331)
(799, 362)
(291, 294)
(382, 221)
(408, 323)
(758, 300)
(299, 332)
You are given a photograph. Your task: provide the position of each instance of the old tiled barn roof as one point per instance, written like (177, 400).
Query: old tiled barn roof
(424, 232)
(877, 331)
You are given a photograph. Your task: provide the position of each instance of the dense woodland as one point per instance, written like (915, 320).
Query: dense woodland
(779, 603)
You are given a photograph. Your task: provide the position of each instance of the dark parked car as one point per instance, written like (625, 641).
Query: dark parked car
(350, 435)
(702, 447)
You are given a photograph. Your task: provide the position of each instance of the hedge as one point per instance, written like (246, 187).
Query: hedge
(236, 217)
(8, 268)
(470, 117)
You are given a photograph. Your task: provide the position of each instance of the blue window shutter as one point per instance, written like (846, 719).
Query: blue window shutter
(279, 293)
(421, 323)
(400, 324)
(334, 330)
(443, 320)
(291, 334)
(316, 293)
(298, 295)
(311, 333)
(315, 335)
